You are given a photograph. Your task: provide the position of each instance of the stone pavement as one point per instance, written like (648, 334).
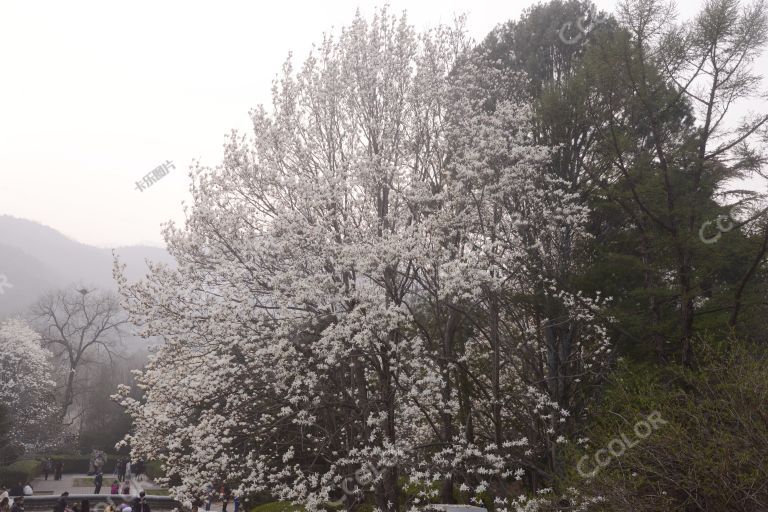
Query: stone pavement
(67, 483)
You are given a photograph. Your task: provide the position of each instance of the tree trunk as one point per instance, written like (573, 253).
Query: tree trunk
(446, 419)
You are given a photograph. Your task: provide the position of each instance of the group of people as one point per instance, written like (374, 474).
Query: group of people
(12, 500)
(120, 486)
(124, 469)
(18, 504)
(17, 493)
(225, 495)
(116, 488)
(138, 504)
(57, 468)
(18, 490)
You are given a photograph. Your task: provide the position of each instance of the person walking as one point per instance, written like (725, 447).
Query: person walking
(47, 467)
(139, 469)
(128, 470)
(224, 495)
(120, 467)
(208, 496)
(97, 481)
(59, 469)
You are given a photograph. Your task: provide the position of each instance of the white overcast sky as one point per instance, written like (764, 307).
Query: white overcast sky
(93, 95)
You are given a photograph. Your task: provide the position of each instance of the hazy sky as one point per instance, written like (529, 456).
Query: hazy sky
(94, 95)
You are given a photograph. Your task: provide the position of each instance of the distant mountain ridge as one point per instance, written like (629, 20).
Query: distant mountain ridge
(35, 259)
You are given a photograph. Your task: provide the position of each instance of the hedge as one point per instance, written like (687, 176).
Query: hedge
(82, 463)
(20, 471)
(154, 469)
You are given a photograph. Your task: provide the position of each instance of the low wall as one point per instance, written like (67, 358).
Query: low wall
(98, 501)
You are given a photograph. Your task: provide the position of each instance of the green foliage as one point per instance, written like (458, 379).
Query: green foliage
(710, 453)
(83, 482)
(157, 492)
(277, 506)
(81, 463)
(20, 471)
(154, 469)
(105, 438)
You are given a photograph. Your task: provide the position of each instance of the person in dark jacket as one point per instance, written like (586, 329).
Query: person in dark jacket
(58, 470)
(120, 469)
(140, 504)
(97, 481)
(47, 467)
(16, 490)
(61, 505)
(139, 469)
(18, 505)
(224, 494)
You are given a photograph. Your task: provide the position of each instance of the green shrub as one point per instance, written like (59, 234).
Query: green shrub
(710, 452)
(158, 492)
(20, 471)
(154, 469)
(82, 463)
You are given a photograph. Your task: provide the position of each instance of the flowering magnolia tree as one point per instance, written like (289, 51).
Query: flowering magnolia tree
(26, 387)
(357, 287)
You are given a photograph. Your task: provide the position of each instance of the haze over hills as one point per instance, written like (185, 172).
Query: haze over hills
(36, 259)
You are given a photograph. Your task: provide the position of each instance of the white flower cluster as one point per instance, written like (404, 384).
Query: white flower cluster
(26, 386)
(356, 287)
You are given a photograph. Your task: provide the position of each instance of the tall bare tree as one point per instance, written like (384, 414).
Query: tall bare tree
(78, 325)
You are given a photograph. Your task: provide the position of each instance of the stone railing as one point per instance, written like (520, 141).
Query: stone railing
(98, 502)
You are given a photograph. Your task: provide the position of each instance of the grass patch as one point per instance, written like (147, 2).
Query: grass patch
(277, 506)
(83, 482)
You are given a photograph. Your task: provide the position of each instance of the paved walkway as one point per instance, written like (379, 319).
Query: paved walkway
(67, 483)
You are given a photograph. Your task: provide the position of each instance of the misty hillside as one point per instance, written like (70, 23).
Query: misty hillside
(35, 259)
